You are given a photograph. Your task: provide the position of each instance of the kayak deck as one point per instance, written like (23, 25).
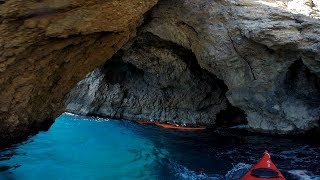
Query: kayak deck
(265, 169)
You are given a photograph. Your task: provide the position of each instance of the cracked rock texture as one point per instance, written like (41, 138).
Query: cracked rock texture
(153, 79)
(266, 52)
(47, 46)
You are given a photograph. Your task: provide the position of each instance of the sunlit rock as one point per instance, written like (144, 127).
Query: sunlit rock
(47, 46)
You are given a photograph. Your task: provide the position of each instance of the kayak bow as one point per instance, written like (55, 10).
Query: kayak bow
(265, 169)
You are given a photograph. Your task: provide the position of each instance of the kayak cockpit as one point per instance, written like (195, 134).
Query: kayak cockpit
(264, 173)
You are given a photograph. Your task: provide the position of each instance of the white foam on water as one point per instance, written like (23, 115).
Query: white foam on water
(98, 119)
(237, 171)
(242, 126)
(71, 114)
(304, 175)
(182, 173)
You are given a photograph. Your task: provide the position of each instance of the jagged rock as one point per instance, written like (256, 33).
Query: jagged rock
(153, 79)
(47, 46)
(254, 47)
(250, 46)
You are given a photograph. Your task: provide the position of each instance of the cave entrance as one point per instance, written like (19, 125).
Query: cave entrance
(232, 116)
(301, 83)
(158, 80)
(302, 91)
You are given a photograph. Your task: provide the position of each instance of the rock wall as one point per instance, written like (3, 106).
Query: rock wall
(266, 52)
(153, 79)
(47, 46)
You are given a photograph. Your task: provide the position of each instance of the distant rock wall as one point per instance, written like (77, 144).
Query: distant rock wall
(153, 79)
(265, 52)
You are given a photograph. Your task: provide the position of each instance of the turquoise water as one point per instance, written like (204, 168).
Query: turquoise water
(90, 148)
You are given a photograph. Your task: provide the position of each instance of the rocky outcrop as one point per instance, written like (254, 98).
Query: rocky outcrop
(266, 52)
(47, 46)
(153, 79)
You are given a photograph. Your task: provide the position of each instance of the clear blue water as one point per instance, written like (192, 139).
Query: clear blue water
(90, 148)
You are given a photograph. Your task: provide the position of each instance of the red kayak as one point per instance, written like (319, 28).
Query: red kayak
(264, 169)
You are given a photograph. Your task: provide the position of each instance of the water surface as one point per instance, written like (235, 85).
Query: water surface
(91, 148)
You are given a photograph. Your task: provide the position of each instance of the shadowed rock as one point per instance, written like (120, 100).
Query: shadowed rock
(153, 79)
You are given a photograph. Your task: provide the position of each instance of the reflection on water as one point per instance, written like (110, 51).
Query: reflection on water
(90, 148)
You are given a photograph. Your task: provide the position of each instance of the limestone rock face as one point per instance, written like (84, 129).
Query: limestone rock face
(266, 52)
(47, 46)
(153, 79)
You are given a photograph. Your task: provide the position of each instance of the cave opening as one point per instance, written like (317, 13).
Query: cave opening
(155, 79)
(302, 88)
(300, 82)
(231, 116)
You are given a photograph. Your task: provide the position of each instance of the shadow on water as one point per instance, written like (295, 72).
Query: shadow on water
(216, 152)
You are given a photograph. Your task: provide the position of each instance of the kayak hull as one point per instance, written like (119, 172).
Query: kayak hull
(264, 163)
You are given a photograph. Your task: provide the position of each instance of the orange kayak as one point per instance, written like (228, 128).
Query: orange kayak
(265, 169)
(172, 126)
